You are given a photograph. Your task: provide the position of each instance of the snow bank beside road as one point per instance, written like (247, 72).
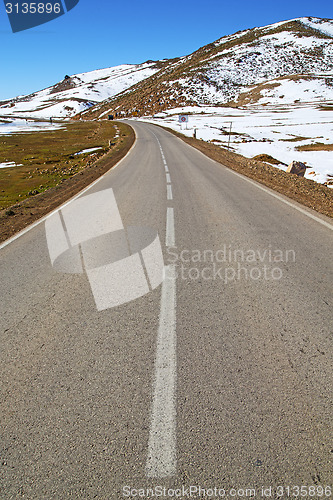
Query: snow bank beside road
(271, 130)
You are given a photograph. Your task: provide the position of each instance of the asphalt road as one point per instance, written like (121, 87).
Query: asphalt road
(219, 378)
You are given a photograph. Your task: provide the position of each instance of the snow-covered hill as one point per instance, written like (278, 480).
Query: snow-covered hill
(79, 92)
(295, 54)
(286, 62)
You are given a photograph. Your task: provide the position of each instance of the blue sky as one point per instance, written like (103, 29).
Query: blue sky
(102, 33)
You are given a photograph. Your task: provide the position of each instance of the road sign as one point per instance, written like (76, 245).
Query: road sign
(183, 118)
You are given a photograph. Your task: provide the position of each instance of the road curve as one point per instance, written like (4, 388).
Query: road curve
(219, 378)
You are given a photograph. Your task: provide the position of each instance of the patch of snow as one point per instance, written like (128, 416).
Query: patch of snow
(303, 90)
(9, 164)
(229, 38)
(22, 125)
(325, 27)
(89, 150)
(275, 25)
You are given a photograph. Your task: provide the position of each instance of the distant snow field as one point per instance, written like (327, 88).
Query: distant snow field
(21, 125)
(272, 130)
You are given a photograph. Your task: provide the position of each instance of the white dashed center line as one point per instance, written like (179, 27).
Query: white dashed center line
(162, 459)
(162, 444)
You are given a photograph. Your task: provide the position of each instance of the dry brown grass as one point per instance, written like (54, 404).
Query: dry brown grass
(318, 146)
(326, 108)
(268, 159)
(296, 139)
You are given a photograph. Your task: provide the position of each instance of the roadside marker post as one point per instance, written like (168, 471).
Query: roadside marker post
(229, 135)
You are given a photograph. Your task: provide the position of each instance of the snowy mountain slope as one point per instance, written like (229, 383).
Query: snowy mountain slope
(322, 25)
(221, 71)
(79, 92)
(290, 61)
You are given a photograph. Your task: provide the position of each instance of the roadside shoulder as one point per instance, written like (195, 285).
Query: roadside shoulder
(305, 191)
